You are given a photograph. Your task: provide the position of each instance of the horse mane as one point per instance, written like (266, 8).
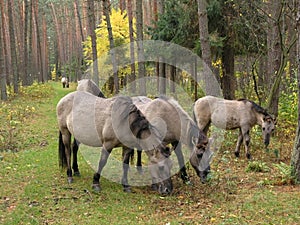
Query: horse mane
(126, 107)
(256, 107)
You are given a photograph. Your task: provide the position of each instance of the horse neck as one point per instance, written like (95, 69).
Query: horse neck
(259, 118)
(188, 131)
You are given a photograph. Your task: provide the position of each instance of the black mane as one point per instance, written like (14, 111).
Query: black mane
(256, 107)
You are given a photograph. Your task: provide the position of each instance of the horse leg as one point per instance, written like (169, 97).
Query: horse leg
(127, 152)
(205, 127)
(246, 138)
(75, 164)
(238, 144)
(139, 161)
(66, 138)
(183, 174)
(102, 162)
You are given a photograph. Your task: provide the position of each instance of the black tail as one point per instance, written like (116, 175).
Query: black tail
(61, 152)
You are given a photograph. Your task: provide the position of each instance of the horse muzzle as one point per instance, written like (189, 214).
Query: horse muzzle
(267, 140)
(203, 174)
(166, 187)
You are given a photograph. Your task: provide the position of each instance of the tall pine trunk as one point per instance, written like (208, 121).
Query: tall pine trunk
(13, 49)
(91, 17)
(131, 37)
(140, 48)
(106, 11)
(2, 71)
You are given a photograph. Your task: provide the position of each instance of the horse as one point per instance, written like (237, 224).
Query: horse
(65, 82)
(165, 106)
(239, 114)
(109, 123)
(177, 127)
(90, 86)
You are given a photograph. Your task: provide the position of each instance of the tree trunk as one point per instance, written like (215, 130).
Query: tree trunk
(6, 45)
(205, 46)
(13, 49)
(131, 37)
(76, 8)
(140, 50)
(274, 56)
(161, 65)
(228, 79)
(295, 161)
(2, 71)
(25, 69)
(106, 11)
(91, 18)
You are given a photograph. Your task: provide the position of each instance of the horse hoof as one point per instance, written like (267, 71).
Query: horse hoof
(237, 154)
(140, 169)
(77, 174)
(70, 180)
(127, 189)
(248, 156)
(96, 187)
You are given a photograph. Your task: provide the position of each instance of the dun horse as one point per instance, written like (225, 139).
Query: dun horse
(177, 127)
(110, 123)
(170, 112)
(234, 114)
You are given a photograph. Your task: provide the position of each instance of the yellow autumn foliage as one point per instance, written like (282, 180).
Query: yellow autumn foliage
(119, 23)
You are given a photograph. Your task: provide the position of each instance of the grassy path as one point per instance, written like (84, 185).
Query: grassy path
(34, 191)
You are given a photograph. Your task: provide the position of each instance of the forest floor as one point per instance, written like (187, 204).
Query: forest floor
(33, 190)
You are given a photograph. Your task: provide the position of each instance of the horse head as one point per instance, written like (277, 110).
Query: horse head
(268, 126)
(201, 156)
(160, 169)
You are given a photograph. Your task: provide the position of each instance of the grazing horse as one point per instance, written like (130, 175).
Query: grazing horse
(109, 123)
(177, 127)
(171, 113)
(232, 114)
(65, 82)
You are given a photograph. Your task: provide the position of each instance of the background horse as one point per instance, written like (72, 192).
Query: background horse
(65, 82)
(232, 114)
(110, 123)
(89, 86)
(170, 112)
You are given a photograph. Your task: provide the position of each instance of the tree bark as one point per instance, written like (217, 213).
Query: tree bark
(205, 46)
(25, 69)
(131, 37)
(13, 49)
(228, 79)
(140, 48)
(2, 71)
(274, 56)
(106, 11)
(161, 65)
(91, 18)
(6, 45)
(295, 161)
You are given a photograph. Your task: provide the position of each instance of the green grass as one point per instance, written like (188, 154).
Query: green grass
(33, 190)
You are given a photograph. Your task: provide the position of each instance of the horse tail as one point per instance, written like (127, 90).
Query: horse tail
(61, 152)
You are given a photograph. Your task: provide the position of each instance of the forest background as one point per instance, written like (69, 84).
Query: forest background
(252, 48)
